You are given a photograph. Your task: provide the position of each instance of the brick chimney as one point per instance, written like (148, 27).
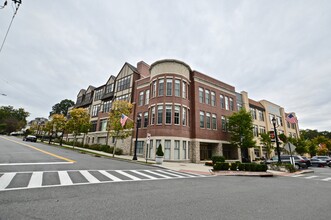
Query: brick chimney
(143, 69)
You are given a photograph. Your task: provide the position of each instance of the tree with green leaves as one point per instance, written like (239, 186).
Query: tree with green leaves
(12, 119)
(59, 124)
(78, 122)
(114, 127)
(266, 142)
(62, 107)
(241, 130)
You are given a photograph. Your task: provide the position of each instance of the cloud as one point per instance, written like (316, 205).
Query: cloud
(279, 51)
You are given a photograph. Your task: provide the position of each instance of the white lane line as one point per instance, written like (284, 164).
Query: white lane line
(36, 180)
(162, 171)
(89, 176)
(27, 164)
(110, 176)
(184, 174)
(311, 177)
(326, 179)
(5, 180)
(127, 175)
(143, 174)
(64, 178)
(298, 175)
(158, 174)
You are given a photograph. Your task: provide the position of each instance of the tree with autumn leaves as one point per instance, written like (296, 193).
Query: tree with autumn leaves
(114, 128)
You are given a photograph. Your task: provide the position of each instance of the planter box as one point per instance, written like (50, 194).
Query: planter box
(158, 160)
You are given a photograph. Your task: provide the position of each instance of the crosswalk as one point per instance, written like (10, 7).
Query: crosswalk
(313, 177)
(40, 179)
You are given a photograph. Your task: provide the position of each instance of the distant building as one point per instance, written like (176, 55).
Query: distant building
(182, 109)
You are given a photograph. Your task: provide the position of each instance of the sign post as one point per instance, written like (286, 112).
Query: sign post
(148, 141)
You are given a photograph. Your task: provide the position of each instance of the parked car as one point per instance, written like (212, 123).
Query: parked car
(327, 159)
(31, 138)
(300, 163)
(318, 162)
(307, 161)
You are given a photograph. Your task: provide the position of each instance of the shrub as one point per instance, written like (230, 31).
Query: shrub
(233, 166)
(241, 167)
(216, 159)
(290, 168)
(221, 166)
(159, 151)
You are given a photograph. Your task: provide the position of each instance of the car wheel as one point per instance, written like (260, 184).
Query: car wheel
(297, 166)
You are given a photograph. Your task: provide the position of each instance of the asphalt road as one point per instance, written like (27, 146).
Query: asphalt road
(216, 197)
(17, 156)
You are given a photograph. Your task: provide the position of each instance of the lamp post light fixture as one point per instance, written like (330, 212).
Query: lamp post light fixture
(136, 143)
(276, 137)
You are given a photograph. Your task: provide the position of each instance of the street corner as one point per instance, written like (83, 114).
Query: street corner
(243, 173)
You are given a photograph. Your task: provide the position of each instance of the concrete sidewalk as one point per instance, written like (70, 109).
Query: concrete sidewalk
(188, 167)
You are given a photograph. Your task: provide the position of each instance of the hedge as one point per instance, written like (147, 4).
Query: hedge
(241, 167)
(216, 159)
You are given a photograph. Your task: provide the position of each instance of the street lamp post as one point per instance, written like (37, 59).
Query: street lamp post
(136, 144)
(276, 137)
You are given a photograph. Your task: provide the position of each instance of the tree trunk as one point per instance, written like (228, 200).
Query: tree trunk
(115, 144)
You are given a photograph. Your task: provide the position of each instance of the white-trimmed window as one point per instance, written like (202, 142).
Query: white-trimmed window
(176, 150)
(231, 104)
(222, 101)
(255, 130)
(147, 97)
(106, 106)
(213, 98)
(214, 122)
(161, 87)
(261, 117)
(208, 120)
(200, 95)
(154, 88)
(184, 89)
(168, 114)
(169, 87)
(262, 130)
(253, 113)
(224, 123)
(177, 115)
(207, 96)
(95, 110)
(202, 119)
(145, 119)
(153, 115)
(184, 116)
(159, 114)
(226, 103)
(141, 98)
(177, 87)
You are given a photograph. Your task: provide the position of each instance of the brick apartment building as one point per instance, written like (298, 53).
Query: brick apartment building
(182, 109)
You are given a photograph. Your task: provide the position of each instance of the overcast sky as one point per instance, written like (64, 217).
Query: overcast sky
(275, 50)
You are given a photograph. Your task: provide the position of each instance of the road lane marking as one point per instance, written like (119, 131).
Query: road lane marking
(110, 176)
(145, 175)
(162, 171)
(158, 174)
(311, 177)
(43, 151)
(64, 178)
(89, 176)
(42, 163)
(184, 174)
(127, 175)
(298, 175)
(326, 179)
(36, 180)
(5, 180)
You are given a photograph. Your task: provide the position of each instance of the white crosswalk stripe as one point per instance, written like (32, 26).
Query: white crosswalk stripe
(326, 179)
(310, 177)
(36, 179)
(313, 177)
(79, 177)
(5, 180)
(89, 176)
(64, 178)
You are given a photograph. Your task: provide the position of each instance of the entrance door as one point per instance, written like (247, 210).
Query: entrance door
(205, 151)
